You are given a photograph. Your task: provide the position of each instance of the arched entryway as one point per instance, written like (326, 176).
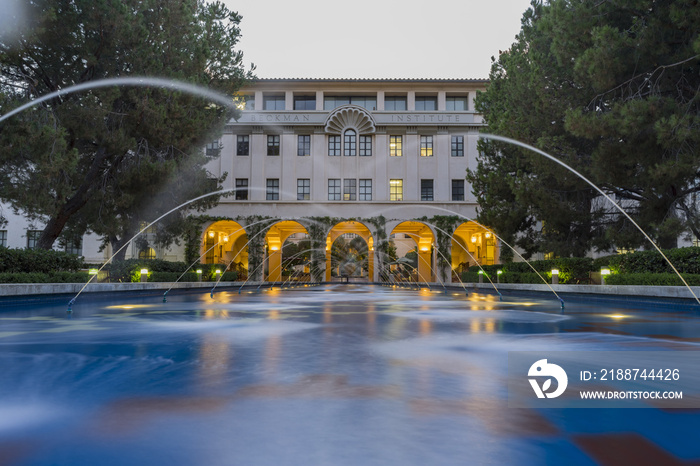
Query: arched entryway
(414, 242)
(279, 265)
(350, 252)
(226, 242)
(473, 244)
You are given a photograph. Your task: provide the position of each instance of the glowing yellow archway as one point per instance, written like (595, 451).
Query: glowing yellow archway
(473, 244)
(424, 239)
(225, 242)
(274, 241)
(350, 227)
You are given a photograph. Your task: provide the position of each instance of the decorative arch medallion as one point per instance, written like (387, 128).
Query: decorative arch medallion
(350, 117)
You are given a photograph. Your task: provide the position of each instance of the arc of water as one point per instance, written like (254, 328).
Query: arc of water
(233, 259)
(72, 301)
(134, 81)
(473, 258)
(620, 209)
(288, 280)
(199, 259)
(425, 261)
(504, 242)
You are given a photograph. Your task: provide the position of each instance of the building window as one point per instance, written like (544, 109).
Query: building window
(213, 149)
(350, 143)
(426, 103)
(349, 189)
(396, 190)
(33, 238)
(304, 102)
(457, 146)
(365, 146)
(273, 145)
(3, 238)
(395, 103)
(241, 189)
(242, 144)
(273, 102)
(367, 101)
(395, 146)
(366, 190)
(304, 145)
(426, 190)
(426, 146)
(303, 189)
(74, 246)
(147, 253)
(273, 189)
(334, 146)
(457, 190)
(334, 193)
(456, 104)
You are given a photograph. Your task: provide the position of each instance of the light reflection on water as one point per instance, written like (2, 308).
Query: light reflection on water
(338, 375)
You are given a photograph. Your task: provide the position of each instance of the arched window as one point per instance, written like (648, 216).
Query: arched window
(350, 143)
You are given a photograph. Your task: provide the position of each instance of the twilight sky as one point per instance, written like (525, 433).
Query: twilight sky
(376, 38)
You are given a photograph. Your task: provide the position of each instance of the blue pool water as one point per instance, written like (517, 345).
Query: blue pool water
(333, 375)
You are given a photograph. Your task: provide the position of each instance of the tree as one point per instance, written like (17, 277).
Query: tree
(100, 157)
(610, 88)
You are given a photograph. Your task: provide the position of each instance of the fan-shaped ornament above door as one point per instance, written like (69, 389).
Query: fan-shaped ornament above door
(350, 117)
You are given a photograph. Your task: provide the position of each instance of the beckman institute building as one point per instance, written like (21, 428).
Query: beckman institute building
(319, 159)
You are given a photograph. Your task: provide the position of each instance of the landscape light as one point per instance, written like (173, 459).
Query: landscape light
(92, 272)
(217, 271)
(144, 275)
(603, 273)
(555, 276)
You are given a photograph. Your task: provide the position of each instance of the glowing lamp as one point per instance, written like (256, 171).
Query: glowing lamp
(425, 248)
(481, 272)
(555, 271)
(225, 239)
(605, 271)
(487, 234)
(473, 239)
(274, 248)
(498, 272)
(144, 275)
(211, 234)
(199, 271)
(217, 271)
(92, 271)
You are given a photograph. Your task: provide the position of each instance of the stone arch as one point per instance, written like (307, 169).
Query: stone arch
(362, 231)
(225, 242)
(275, 238)
(423, 237)
(473, 244)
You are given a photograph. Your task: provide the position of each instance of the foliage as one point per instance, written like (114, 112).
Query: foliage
(44, 277)
(612, 89)
(110, 158)
(38, 260)
(652, 279)
(685, 260)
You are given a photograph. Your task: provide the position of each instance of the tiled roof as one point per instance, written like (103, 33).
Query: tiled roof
(376, 80)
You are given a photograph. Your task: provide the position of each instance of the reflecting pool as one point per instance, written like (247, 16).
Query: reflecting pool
(331, 375)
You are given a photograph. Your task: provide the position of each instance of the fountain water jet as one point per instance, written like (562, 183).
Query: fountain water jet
(602, 193)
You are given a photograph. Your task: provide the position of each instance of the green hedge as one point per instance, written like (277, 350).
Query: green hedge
(571, 270)
(686, 261)
(652, 279)
(40, 277)
(162, 271)
(38, 260)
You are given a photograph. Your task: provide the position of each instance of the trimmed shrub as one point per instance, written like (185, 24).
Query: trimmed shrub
(38, 260)
(652, 279)
(40, 277)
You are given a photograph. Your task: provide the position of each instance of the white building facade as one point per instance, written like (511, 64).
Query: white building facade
(385, 160)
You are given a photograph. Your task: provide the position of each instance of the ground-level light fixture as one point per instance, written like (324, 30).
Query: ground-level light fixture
(92, 272)
(555, 276)
(498, 276)
(199, 275)
(144, 275)
(603, 273)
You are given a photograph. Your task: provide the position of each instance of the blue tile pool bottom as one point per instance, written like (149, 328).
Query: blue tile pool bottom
(334, 375)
